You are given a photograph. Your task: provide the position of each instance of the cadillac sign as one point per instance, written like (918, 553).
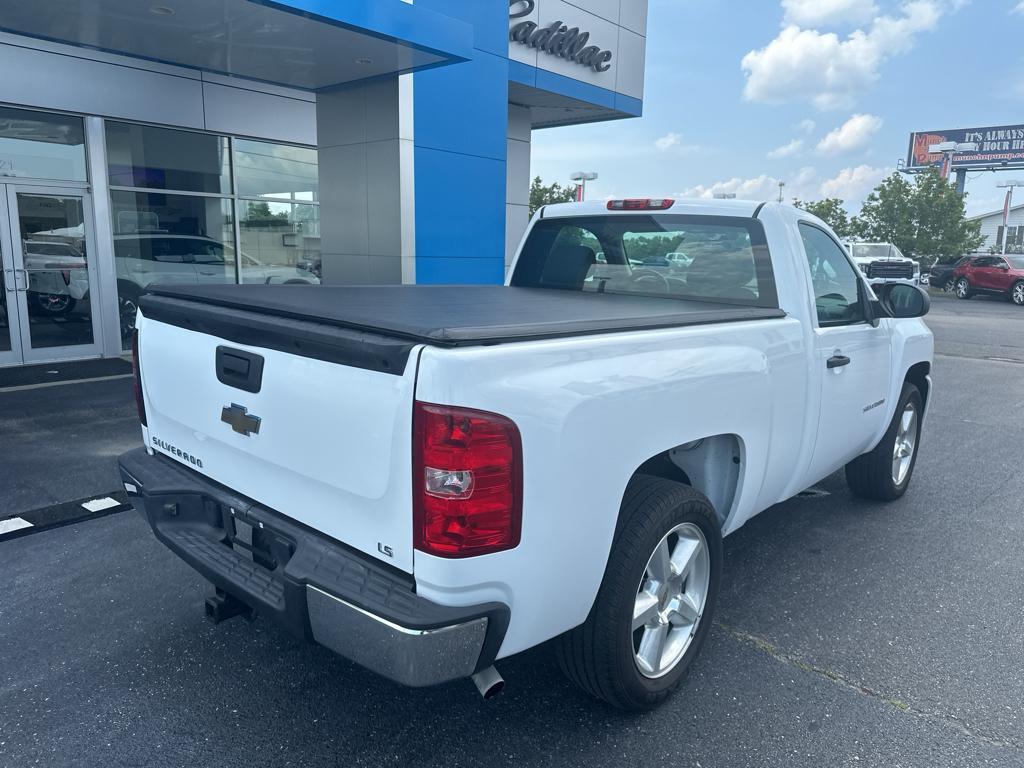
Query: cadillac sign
(557, 39)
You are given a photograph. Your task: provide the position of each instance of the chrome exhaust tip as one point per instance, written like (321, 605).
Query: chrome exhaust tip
(488, 682)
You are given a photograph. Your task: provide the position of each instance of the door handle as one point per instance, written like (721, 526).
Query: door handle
(837, 361)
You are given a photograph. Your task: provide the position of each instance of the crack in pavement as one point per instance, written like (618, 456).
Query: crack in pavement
(753, 641)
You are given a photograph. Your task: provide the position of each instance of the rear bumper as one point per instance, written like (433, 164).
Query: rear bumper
(317, 588)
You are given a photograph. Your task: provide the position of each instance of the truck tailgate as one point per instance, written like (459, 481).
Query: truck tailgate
(333, 445)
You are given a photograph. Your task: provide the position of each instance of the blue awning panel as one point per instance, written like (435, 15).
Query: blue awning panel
(308, 44)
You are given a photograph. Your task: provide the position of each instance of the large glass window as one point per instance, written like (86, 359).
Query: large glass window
(36, 145)
(276, 170)
(280, 242)
(169, 239)
(145, 157)
(187, 232)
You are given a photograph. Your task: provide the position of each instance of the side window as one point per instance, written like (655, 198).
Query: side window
(985, 261)
(836, 284)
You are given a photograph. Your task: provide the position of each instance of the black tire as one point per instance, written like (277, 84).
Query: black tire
(1017, 293)
(950, 286)
(962, 289)
(51, 304)
(128, 295)
(598, 655)
(870, 476)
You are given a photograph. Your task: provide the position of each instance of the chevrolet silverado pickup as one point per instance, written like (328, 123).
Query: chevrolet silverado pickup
(429, 479)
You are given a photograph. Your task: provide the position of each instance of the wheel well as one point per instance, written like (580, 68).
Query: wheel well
(711, 465)
(918, 376)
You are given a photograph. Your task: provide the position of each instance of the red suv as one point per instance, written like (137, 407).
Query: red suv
(1002, 275)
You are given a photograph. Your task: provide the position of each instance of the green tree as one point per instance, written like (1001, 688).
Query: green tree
(888, 215)
(943, 229)
(541, 195)
(925, 220)
(831, 211)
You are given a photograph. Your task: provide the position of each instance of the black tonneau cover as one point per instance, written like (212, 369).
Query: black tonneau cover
(395, 318)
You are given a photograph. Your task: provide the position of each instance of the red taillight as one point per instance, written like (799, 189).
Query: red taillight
(467, 481)
(641, 204)
(140, 403)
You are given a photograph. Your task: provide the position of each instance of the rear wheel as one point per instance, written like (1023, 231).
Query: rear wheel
(1017, 293)
(949, 286)
(963, 288)
(884, 473)
(653, 610)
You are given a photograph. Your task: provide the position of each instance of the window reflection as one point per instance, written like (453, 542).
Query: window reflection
(41, 146)
(276, 170)
(168, 239)
(280, 242)
(161, 158)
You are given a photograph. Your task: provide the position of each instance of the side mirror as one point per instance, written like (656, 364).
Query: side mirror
(903, 300)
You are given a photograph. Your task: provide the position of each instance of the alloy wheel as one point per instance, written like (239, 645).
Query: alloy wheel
(962, 287)
(906, 444)
(670, 600)
(1018, 294)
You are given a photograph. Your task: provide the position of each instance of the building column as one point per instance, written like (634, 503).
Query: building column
(366, 157)
(517, 186)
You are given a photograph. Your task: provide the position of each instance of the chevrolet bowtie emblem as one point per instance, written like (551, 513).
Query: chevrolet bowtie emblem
(240, 420)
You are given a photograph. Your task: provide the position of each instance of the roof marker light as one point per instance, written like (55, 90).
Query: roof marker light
(641, 204)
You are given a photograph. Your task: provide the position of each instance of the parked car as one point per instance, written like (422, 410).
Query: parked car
(470, 471)
(144, 259)
(941, 275)
(884, 263)
(50, 266)
(993, 275)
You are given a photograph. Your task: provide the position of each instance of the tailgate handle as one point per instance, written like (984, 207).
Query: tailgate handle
(238, 369)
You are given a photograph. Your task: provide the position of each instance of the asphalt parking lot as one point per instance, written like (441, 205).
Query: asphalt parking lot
(847, 633)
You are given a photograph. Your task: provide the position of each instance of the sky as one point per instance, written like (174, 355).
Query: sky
(820, 94)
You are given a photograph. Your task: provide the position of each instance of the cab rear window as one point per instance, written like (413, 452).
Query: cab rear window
(705, 258)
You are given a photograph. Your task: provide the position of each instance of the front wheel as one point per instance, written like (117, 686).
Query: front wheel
(884, 473)
(963, 288)
(949, 286)
(1017, 293)
(653, 610)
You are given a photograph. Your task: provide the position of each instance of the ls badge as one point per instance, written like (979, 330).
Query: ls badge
(240, 420)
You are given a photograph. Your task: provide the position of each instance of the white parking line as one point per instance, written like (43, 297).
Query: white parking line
(48, 384)
(97, 505)
(13, 524)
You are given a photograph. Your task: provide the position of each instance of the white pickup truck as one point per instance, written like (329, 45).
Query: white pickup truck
(884, 263)
(428, 479)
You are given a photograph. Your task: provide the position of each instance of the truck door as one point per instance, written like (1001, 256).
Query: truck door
(851, 358)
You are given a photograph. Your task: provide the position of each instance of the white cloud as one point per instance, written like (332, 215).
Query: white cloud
(761, 187)
(816, 14)
(804, 64)
(852, 185)
(668, 141)
(807, 125)
(854, 134)
(1019, 8)
(786, 150)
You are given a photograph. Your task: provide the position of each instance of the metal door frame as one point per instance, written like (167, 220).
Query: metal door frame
(12, 279)
(12, 239)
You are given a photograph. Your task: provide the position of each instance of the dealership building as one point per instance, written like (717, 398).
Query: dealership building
(277, 141)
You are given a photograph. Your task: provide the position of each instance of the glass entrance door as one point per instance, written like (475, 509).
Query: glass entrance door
(49, 275)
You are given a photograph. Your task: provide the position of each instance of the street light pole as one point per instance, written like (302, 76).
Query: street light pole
(781, 185)
(581, 188)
